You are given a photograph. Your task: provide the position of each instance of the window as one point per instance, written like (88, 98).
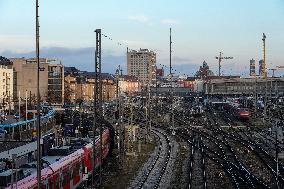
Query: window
(50, 183)
(57, 181)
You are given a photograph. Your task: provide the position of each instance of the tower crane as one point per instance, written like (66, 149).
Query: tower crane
(219, 58)
(275, 69)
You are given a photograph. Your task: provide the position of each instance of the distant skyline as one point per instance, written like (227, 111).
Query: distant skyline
(200, 30)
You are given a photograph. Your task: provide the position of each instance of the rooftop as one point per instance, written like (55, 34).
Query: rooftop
(5, 61)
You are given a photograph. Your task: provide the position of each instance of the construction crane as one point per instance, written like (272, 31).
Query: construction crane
(220, 59)
(275, 69)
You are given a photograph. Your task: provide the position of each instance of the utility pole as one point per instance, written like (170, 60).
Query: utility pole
(121, 127)
(38, 103)
(220, 58)
(26, 109)
(171, 79)
(20, 114)
(170, 51)
(264, 74)
(97, 107)
(255, 95)
(263, 66)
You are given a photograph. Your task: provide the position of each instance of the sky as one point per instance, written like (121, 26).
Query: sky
(200, 30)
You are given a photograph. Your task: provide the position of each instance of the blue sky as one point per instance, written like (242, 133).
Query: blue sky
(201, 28)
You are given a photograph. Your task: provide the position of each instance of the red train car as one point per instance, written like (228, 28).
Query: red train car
(242, 113)
(68, 172)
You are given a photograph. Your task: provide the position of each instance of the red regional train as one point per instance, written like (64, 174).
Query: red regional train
(242, 113)
(68, 172)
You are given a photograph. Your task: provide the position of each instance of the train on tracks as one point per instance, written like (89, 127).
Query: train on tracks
(70, 171)
(236, 110)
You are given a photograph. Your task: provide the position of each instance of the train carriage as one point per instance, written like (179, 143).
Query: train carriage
(67, 173)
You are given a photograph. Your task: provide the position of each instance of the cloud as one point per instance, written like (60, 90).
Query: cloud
(180, 65)
(139, 18)
(135, 44)
(169, 21)
(81, 58)
(24, 42)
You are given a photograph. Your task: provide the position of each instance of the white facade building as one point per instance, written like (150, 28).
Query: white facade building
(6, 87)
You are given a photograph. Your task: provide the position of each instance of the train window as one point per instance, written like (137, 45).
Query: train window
(66, 177)
(50, 183)
(76, 169)
(72, 172)
(57, 181)
(61, 180)
(83, 165)
(90, 156)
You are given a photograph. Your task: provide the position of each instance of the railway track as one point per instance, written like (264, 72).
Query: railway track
(156, 168)
(263, 156)
(220, 150)
(197, 175)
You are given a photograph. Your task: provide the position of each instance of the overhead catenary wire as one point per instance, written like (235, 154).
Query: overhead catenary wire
(125, 45)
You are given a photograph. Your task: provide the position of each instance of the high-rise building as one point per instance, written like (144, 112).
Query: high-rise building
(142, 64)
(252, 67)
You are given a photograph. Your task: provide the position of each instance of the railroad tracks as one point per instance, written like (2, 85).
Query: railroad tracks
(153, 173)
(220, 151)
(197, 175)
(267, 162)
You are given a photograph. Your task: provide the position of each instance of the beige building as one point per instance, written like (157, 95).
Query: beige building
(6, 84)
(142, 64)
(82, 87)
(51, 79)
(128, 84)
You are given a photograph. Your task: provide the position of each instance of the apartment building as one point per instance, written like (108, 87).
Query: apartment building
(6, 84)
(79, 85)
(142, 64)
(51, 79)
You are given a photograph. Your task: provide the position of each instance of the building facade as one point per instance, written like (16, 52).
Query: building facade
(80, 87)
(248, 86)
(252, 67)
(51, 79)
(142, 64)
(128, 84)
(6, 84)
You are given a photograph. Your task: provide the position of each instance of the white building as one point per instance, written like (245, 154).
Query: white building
(198, 85)
(142, 64)
(6, 84)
